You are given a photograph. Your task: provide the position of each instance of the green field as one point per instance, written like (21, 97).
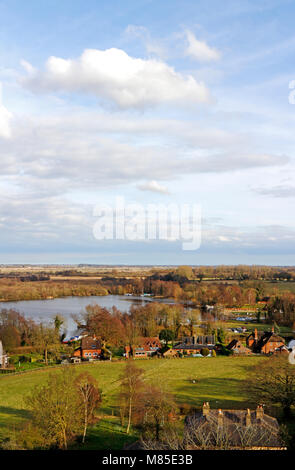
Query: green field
(219, 381)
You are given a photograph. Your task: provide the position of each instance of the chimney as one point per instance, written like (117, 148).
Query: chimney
(259, 412)
(206, 408)
(255, 334)
(248, 418)
(220, 418)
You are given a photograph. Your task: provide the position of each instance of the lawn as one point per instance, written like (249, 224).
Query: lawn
(219, 381)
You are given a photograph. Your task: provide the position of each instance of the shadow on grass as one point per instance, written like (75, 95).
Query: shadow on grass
(107, 435)
(219, 391)
(13, 412)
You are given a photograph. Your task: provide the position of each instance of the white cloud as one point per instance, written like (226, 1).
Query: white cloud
(5, 118)
(154, 187)
(56, 154)
(27, 66)
(114, 76)
(199, 50)
(153, 48)
(280, 191)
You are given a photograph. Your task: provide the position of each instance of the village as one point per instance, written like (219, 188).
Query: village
(209, 365)
(267, 342)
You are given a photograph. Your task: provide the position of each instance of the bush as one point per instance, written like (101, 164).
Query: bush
(213, 353)
(118, 352)
(205, 352)
(164, 349)
(223, 351)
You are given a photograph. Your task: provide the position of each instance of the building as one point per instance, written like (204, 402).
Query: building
(90, 348)
(3, 357)
(145, 347)
(238, 348)
(264, 342)
(193, 344)
(232, 429)
(170, 353)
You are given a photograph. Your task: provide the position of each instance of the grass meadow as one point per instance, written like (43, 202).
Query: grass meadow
(218, 380)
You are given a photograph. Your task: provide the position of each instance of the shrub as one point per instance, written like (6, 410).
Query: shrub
(164, 349)
(223, 351)
(205, 352)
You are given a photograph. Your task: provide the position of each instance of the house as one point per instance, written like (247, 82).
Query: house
(232, 429)
(282, 350)
(170, 353)
(145, 347)
(90, 348)
(238, 347)
(194, 344)
(264, 342)
(3, 357)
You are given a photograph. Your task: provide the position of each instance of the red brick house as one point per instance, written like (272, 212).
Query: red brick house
(90, 348)
(146, 347)
(264, 343)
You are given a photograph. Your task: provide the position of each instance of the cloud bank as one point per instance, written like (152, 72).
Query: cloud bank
(114, 76)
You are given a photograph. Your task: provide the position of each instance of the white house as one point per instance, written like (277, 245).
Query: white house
(3, 356)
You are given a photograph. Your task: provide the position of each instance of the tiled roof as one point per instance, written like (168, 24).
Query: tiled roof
(265, 430)
(90, 343)
(197, 347)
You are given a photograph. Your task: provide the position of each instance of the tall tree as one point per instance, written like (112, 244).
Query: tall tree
(90, 397)
(155, 408)
(45, 338)
(131, 386)
(56, 410)
(272, 382)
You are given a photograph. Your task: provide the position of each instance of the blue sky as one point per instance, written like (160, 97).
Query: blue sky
(183, 102)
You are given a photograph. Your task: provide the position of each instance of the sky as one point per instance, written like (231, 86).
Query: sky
(174, 102)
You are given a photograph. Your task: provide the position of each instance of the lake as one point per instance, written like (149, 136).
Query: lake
(45, 310)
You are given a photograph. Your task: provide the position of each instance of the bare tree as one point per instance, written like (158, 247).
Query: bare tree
(45, 338)
(229, 435)
(202, 436)
(131, 385)
(272, 382)
(155, 409)
(90, 396)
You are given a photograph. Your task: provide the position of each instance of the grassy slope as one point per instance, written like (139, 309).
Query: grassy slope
(219, 382)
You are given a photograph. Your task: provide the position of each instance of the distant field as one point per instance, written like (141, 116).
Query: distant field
(219, 381)
(280, 286)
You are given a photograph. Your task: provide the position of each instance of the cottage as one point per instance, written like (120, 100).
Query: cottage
(237, 347)
(90, 348)
(145, 347)
(232, 429)
(264, 343)
(170, 353)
